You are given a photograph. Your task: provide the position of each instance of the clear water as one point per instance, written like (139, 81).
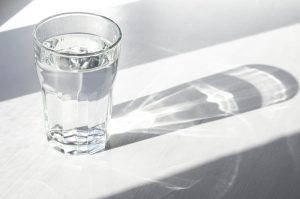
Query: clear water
(77, 91)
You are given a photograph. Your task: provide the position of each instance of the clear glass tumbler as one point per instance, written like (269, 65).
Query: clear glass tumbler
(76, 56)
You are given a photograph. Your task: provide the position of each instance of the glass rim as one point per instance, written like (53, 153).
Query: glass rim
(39, 24)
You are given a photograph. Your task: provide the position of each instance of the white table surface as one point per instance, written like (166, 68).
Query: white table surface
(246, 144)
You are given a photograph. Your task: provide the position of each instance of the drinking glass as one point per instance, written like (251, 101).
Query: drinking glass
(76, 56)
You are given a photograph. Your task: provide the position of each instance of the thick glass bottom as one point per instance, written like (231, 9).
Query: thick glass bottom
(77, 141)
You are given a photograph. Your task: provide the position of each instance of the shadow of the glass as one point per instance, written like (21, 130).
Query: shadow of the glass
(225, 94)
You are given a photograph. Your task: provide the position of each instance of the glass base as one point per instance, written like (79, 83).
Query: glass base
(77, 141)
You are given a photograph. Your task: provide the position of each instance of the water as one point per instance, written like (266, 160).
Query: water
(77, 91)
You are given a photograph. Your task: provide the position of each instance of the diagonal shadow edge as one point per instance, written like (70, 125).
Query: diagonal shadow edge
(267, 171)
(9, 8)
(21, 79)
